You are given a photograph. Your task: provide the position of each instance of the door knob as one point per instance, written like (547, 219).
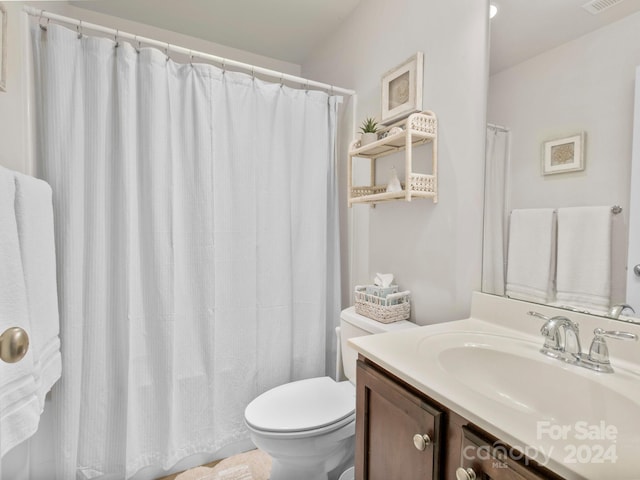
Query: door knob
(636, 270)
(14, 343)
(421, 441)
(465, 474)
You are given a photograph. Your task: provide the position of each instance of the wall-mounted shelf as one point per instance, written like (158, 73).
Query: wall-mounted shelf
(417, 129)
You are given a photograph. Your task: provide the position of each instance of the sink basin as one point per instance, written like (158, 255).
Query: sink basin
(511, 376)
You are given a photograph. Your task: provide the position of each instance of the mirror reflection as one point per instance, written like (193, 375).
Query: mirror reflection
(559, 156)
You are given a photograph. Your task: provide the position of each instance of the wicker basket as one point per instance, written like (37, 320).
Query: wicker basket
(393, 308)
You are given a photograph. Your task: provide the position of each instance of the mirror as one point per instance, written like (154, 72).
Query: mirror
(560, 72)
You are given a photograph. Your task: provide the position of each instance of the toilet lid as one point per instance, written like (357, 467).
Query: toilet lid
(303, 405)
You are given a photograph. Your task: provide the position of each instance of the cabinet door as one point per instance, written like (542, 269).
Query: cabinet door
(492, 461)
(388, 417)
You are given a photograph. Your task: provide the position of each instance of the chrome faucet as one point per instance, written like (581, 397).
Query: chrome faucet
(617, 309)
(562, 341)
(561, 337)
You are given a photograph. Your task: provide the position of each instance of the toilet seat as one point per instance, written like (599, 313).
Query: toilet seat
(304, 408)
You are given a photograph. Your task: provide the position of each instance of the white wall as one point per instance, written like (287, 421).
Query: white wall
(586, 85)
(434, 250)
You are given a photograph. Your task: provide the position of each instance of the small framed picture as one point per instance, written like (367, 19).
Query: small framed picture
(3, 48)
(402, 90)
(563, 155)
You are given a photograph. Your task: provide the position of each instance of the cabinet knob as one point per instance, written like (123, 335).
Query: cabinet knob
(421, 441)
(465, 474)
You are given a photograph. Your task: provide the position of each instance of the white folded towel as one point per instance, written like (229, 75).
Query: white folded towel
(584, 257)
(34, 217)
(19, 405)
(531, 256)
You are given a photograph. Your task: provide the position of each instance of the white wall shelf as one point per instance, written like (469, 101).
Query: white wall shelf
(417, 129)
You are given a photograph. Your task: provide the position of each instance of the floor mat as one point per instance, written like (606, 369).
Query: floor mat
(253, 465)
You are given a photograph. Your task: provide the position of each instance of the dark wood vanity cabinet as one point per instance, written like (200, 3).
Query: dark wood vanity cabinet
(398, 434)
(401, 434)
(490, 460)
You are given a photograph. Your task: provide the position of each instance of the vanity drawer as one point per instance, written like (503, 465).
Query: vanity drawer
(398, 434)
(491, 460)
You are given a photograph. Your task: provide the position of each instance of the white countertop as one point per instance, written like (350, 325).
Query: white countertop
(404, 354)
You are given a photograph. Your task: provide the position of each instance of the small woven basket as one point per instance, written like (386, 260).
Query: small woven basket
(393, 308)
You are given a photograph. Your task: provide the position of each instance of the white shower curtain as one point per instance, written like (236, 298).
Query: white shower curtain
(197, 247)
(495, 210)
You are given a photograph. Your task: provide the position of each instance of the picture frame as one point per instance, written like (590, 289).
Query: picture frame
(3, 48)
(563, 155)
(402, 90)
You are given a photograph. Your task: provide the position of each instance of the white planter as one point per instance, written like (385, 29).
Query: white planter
(368, 138)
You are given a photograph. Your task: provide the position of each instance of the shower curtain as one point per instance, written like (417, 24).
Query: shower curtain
(495, 211)
(197, 243)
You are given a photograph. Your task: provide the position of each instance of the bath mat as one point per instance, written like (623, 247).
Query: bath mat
(253, 465)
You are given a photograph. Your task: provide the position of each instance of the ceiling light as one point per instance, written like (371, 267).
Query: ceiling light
(493, 10)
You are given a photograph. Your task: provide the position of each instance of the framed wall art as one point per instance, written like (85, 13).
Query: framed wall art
(402, 90)
(3, 48)
(563, 155)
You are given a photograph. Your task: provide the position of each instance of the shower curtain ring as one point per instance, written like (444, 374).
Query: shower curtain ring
(115, 39)
(253, 73)
(135, 40)
(191, 57)
(224, 69)
(166, 52)
(79, 30)
(43, 27)
(281, 80)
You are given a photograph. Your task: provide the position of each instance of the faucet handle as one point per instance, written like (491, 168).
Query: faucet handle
(619, 308)
(615, 334)
(538, 315)
(599, 351)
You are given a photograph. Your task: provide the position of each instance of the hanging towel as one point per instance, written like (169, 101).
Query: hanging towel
(34, 217)
(584, 257)
(531, 257)
(19, 405)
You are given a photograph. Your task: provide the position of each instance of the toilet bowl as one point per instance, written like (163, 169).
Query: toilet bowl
(308, 426)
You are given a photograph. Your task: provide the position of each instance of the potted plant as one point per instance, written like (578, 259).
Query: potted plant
(369, 131)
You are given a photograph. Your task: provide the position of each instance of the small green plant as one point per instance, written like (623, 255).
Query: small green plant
(369, 125)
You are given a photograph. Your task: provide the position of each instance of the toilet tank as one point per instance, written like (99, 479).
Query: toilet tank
(353, 325)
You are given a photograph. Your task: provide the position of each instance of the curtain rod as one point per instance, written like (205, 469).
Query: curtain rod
(79, 24)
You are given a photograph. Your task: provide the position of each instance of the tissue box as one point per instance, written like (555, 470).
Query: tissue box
(381, 292)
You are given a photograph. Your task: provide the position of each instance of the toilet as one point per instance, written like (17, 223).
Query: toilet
(308, 426)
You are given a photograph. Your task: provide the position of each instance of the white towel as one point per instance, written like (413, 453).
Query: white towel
(19, 405)
(584, 257)
(34, 217)
(531, 257)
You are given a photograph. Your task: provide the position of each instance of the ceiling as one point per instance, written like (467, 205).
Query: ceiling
(290, 29)
(525, 28)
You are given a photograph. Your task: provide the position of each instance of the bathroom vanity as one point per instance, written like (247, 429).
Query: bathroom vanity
(402, 433)
(475, 398)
